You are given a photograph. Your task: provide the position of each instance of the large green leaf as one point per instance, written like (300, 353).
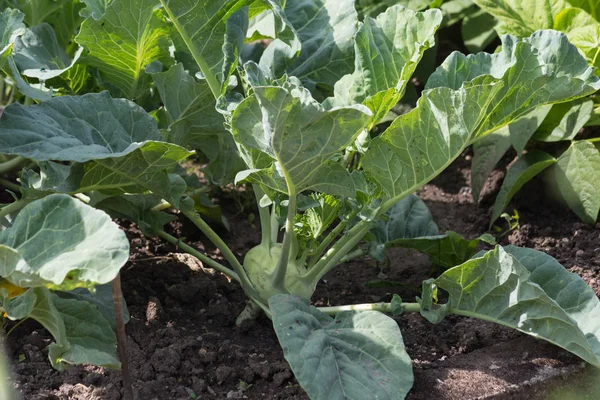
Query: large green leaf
(300, 136)
(357, 355)
(577, 173)
(592, 7)
(478, 31)
(541, 69)
(123, 42)
(38, 54)
(420, 144)
(211, 35)
(116, 140)
(326, 29)
(37, 11)
(59, 242)
(529, 291)
(582, 30)
(388, 50)
(564, 121)
(521, 172)
(82, 334)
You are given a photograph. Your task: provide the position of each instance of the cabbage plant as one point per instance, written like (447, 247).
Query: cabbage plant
(284, 98)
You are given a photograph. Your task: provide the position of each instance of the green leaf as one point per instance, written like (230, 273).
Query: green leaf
(521, 172)
(17, 307)
(101, 298)
(356, 355)
(388, 50)
(326, 29)
(95, 8)
(61, 243)
(542, 69)
(123, 42)
(530, 291)
(115, 139)
(478, 30)
(420, 144)
(577, 173)
(582, 30)
(591, 7)
(565, 120)
(205, 29)
(299, 135)
(523, 17)
(38, 54)
(66, 22)
(11, 27)
(82, 334)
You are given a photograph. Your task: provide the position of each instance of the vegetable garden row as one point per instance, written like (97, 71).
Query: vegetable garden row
(322, 120)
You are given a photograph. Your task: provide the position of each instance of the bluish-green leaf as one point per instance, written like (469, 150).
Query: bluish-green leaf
(357, 355)
(59, 242)
(577, 173)
(530, 291)
(521, 172)
(38, 54)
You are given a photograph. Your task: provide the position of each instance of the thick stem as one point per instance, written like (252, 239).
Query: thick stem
(382, 307)
(206, 260)
(274, 224)
(10, 185)
(352, 255)
(117, 294)
(225, 250)
(337, 252)
(14, 207)
(12, 164)
(265, 218)
(335, 232)
(250, 313)
(288, 238)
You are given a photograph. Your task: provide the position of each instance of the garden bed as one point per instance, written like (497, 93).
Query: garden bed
(183, 341)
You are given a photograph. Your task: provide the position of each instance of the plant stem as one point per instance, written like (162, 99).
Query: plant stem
(225, 250)
(329, 238)
(352, 255)
(15, 326)
(117, 295)
(12, 164)
(28, 101)
(337, 252)
(265, 218)
(382, 307)
(10, 185)
(288, 238)
(13, 207)
(208, 261)
(274, 224)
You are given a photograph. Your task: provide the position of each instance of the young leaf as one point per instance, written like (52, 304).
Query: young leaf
(521, 172)
(388, 50)
(123, 42)
(326, 29)
(300, 136)
(38, 54)
(59, 242)
(564, 121)
(577, 174)
(529, 291)
(18, 307)
(358, 354)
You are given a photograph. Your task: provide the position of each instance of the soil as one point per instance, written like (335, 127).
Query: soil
(183, 343)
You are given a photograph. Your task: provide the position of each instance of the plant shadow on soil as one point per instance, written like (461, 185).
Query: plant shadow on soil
(183, 343)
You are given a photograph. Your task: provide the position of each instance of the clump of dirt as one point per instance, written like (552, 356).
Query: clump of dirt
(183, 342)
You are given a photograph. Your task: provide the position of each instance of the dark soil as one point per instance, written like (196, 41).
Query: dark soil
(183, 343)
